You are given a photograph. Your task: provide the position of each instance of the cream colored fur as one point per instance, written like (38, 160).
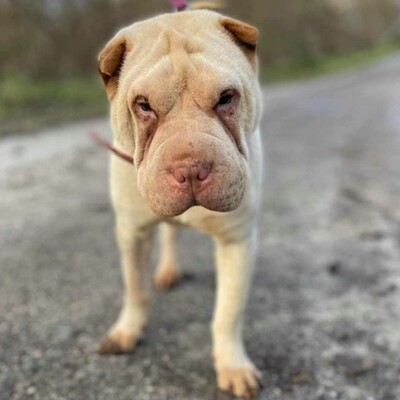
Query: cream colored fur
(181, 63)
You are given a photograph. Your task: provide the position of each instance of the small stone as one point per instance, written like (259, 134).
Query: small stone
(386, 290)
(37, 354)
(353, 365)
(373, 235)
(334, 268)
(31, 390)
(301, 378)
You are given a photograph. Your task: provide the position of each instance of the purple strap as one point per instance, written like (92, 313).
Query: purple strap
(179, 5)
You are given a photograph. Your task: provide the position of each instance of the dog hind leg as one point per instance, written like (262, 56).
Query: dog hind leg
(168, 272)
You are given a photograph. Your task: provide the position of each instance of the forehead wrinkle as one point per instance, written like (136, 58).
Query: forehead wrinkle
(169, 60)
(177, 54)
(181, 47)
(180, 50)
(208, 81)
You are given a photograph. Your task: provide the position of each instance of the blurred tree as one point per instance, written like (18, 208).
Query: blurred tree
(54, 38)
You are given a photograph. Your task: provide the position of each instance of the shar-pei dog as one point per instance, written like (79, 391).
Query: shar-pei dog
(185, 104)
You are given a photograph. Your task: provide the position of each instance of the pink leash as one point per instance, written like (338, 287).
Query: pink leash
(107, 145)
(179, 5)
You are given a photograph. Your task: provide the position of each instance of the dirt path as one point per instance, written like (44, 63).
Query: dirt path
(324, 315)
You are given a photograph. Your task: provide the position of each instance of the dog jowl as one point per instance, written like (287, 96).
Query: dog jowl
(185, 104)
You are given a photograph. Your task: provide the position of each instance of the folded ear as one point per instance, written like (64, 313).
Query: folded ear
(245, 35)
(110, 63)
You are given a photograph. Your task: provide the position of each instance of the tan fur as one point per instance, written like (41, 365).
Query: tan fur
(196, 164)
(168, 272)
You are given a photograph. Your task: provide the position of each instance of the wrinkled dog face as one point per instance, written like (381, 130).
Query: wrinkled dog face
(180, 87)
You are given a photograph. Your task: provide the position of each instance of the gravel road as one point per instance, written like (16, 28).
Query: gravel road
(324, 313)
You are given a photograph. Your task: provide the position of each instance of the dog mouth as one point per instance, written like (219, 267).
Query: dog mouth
(189, 185)
(199, 170)
(179, 205)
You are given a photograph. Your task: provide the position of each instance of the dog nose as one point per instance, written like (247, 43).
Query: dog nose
(191, 174)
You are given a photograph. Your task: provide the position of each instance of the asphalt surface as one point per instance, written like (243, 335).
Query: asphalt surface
(323, 319)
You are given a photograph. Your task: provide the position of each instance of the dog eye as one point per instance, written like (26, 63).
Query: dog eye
(226, 98)
(143, 104)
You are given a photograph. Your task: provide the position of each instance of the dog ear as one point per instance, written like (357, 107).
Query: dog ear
(110, 60)
(245, 35)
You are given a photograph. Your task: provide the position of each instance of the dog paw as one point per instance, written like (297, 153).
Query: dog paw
(117, 342)
(240, 382)
(166, 278)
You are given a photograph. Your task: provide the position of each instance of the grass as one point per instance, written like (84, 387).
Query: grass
(29, 105)
(301, 69)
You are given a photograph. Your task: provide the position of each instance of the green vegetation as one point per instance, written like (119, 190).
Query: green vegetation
(42, 43)
(307, 68)
(27, 104)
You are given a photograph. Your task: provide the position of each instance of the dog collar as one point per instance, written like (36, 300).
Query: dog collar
(179, 5)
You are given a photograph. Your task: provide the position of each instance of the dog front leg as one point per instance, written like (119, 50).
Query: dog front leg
(134, 245)
(235, 371)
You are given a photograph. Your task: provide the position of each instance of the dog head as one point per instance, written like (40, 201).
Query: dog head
(184, 98)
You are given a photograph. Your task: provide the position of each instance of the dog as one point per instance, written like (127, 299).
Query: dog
(185, 103)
